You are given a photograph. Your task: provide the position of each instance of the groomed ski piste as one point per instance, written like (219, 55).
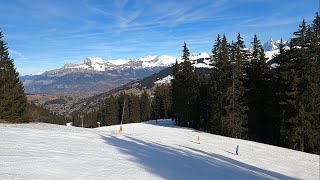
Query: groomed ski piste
(142, 151)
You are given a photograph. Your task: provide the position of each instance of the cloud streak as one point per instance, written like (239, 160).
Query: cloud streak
(50, 33)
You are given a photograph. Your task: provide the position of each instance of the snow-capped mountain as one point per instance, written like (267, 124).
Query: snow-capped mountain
(101, 65)
(97, 75)
(98, 64)
(271, 47)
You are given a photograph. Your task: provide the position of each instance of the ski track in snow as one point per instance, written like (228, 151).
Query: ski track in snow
(143, 151)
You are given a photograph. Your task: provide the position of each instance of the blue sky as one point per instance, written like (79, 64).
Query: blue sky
(43, 34)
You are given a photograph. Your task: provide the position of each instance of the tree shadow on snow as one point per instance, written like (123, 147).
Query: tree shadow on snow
(186, 163)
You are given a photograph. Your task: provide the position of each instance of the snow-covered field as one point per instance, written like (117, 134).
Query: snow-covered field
(142, 151)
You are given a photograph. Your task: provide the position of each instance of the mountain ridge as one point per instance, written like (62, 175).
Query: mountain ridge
(96, 75)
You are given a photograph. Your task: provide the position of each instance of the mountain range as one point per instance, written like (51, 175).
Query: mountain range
(96, 75)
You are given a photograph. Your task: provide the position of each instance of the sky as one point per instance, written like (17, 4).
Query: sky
(46, 34)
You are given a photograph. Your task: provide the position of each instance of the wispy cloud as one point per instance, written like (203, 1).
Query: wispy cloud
(16, 54)
(49, 33)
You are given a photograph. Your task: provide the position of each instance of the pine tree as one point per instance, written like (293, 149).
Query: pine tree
(216, 51)
(273, 93)
(184, 91)
(215, 90)
(228, 116)
(299, 72)
(175, 90)
(257, 74)
(166, 110)
(145, 106)
(203, 102)
(156, 104)
(235, 119)
(161, 104)
(220, 79)
(13, 101)
(316, 27)
(281, 47)
(101, 115)
(111, 111)
(300, 40)
(134, 109)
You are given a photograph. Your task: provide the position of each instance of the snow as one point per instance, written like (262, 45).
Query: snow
(159, 61)
(36, 74)
(271, 45)
(274, 65)
(271, 54)
(165, 80)
(202, 65)
(142, 151)
(119, 61)
(196, 56)
(147, 58)
(95, 60)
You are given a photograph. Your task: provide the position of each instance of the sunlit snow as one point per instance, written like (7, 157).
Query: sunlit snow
(143, 151)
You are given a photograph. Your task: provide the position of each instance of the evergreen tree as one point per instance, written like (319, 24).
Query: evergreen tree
(316, 26)
(300, 40)
(257, 74)
(175, 91)
(111, 111)
(215, 89)
(227, 105)
(145, 106)
(184, 90)
(235, 119)
(101, 115)
(299, 72)
(161, 104)
(220, 79)
(166, 105)
(156, 104)
(216, 50)
(202, 106)
(13, 101)
(134, 109)
(281, 47)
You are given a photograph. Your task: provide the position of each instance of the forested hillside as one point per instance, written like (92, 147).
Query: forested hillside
(242, 97)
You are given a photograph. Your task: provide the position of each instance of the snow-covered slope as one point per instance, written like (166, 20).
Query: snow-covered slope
(165, 80)
(142, 151)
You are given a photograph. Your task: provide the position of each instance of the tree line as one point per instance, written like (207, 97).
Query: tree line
(242, 97)
(245, 98)
(133, 108)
